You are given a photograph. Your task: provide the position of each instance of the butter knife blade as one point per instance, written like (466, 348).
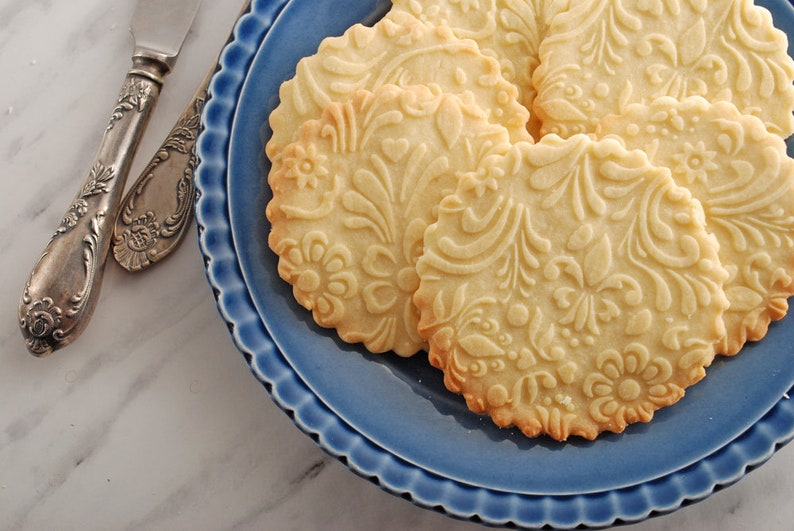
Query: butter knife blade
(158, 208)
(61, 292)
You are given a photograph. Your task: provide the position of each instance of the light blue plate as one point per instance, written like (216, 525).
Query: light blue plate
(390, 419)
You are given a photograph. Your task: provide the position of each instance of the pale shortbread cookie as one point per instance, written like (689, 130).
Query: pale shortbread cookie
(601, 55)
(352, 200)
(508, 30)
(398, 49)
(741, 174)
(570, 288)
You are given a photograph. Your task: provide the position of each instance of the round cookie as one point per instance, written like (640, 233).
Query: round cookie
(353, 197)
(570, 288)
(508, 30)
(601, 55)
(743, 177)
(401, 50)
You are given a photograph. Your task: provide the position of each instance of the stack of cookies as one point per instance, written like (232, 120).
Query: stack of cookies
(571, 205)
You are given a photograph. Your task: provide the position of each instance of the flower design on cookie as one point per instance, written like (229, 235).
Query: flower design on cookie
(590, 297)
(629, 386)
(507, 30)
(607, 253)
(319, 274)
(304, 164)
(695, 162)
(369, 176)
(390, 286)
(605, 55)
(478, 344)
(741, 174)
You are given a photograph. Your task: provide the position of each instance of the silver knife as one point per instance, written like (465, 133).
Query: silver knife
(61, 292)
(158, 208)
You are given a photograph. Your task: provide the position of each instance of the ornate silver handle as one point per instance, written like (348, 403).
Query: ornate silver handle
(157, 210)
(159, 206)
(62, 290)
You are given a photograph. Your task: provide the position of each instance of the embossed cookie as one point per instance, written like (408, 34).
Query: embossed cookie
(508, 30)
(601, 55)
(400, 50)
(570, 288)
(745, 181)
(353, 197)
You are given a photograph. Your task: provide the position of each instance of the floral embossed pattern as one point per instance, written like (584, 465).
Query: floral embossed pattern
(570, 288)
(508, 30)
(745, 181)
(352, 200)
(385, 417)
(398, 50)
(601, 55)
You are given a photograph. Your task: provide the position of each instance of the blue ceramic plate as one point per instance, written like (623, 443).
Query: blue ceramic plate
(390, 419)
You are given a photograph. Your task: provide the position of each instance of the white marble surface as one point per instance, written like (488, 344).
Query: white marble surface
(151, 420)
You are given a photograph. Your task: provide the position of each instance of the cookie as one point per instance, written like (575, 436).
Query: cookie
(601, 55)
(508, 30)
(570, 288)
(743, 177)
(400, 50)
(352, 199)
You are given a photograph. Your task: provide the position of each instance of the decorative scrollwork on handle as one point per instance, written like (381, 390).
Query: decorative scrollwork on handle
(156, 211)
(47, 325)
(63, 287)
(135, 96)
(96, 183)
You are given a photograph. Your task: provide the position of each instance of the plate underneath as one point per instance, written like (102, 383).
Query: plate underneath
(390, 419)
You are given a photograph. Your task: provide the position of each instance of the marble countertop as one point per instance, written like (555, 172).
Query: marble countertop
(152, 420)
